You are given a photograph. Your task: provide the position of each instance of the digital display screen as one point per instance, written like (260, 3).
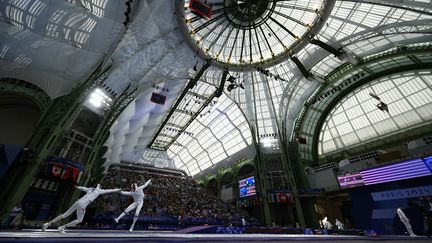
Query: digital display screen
(388, 173)
(247, 187)
(200, 8)
(351, 180)
(428, 162)
(158, 98)
(395, 172)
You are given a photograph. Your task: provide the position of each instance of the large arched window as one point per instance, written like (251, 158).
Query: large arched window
(357, 119)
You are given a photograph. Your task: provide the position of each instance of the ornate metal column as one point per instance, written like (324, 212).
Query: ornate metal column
(60, 114)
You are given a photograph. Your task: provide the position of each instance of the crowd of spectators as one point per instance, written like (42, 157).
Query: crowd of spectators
(176, 196)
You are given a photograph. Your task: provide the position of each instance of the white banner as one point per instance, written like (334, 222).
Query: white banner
(402, 193)
(227, 194)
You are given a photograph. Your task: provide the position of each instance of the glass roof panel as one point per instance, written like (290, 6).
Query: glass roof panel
(349, 18)
(214, 135)
(195, 101)
(357, 119)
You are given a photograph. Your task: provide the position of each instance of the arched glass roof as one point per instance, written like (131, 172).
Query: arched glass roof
(356, 119)
(220, 132)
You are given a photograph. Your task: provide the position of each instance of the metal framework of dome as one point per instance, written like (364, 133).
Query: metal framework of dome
(246, 33)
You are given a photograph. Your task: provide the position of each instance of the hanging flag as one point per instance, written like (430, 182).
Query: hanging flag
(67, 172)
(75, 173)
(282, 197)
(255, 202)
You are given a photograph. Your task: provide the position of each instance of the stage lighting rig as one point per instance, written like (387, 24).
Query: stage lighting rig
(381, 106)
(234, 84)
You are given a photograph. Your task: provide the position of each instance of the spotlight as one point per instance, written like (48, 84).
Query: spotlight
(268, 142)
(383, 106)
(231, 87)
(99, 99)
(231, 79)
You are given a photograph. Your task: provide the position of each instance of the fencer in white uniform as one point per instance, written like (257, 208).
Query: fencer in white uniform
(326, 223)
(79, 206)
(405, 221)
(138, 196)
(339, 224)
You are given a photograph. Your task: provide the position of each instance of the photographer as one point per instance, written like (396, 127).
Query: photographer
(17, 217)
(426, 210)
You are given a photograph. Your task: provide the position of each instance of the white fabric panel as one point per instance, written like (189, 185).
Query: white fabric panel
(152, 52)
(138, 123)
(111, 9)
(55, 44)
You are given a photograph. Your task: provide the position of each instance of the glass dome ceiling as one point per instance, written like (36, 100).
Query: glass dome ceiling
(244, 33)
